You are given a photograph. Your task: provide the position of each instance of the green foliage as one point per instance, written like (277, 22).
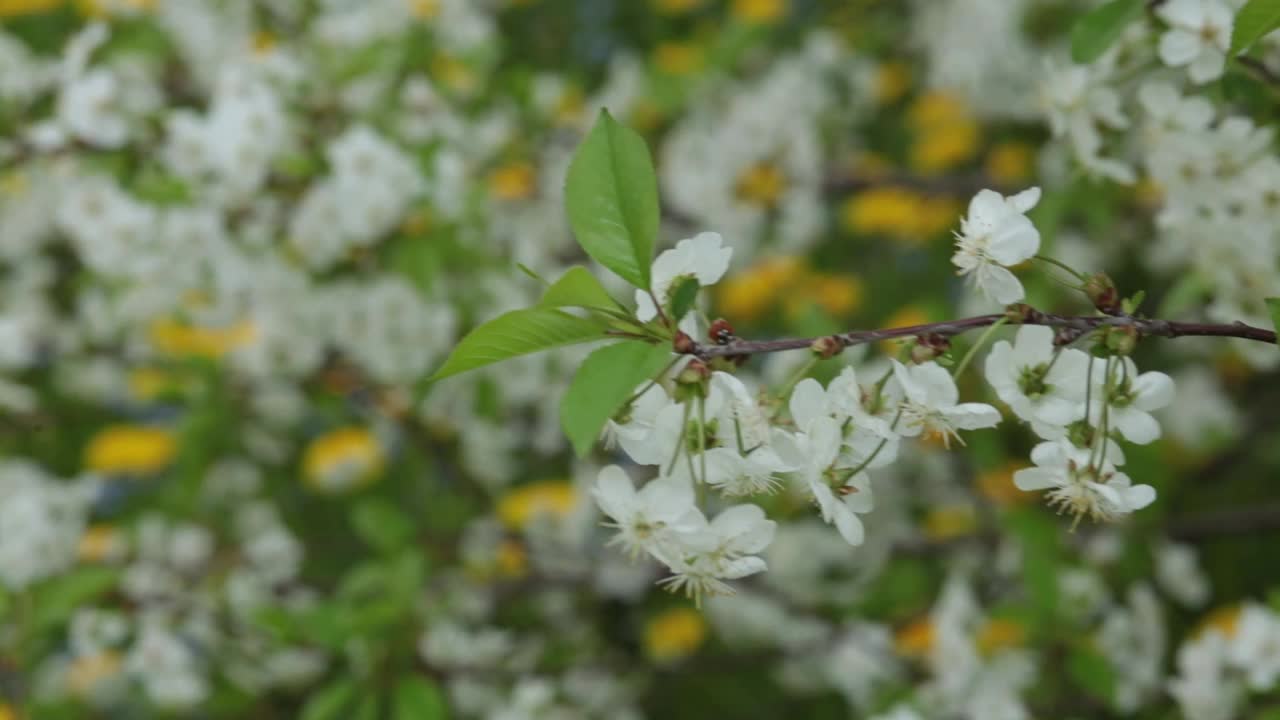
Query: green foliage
(683, 297)
(381, 524)
(1091, 671)
(1099, 28)
(330, 702)
(1255, 20)
(578, 288)
(612, 199)
(58, 598)
(418, 698)
(1037, 535)
(516, 333)
(606, 379)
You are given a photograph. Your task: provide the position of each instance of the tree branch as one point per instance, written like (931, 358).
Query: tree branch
(1027, 316)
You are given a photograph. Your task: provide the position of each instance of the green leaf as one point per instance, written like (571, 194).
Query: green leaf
(683, 297)
(606, 379)
(1037, 536)
(611, 196)
(381, 524)
(367, 709)
(1093, 672)
(1256, 19)
(330, 702)
(418, 698)
(1099, 28)
(58, 598)
(516, 333)
(1273, 307)
(578, 288)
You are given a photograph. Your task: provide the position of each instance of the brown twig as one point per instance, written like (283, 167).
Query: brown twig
(1028, 316)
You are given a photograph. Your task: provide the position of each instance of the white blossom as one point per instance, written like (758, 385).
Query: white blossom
(996, 235)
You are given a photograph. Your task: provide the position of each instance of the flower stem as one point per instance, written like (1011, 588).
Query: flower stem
(973, 349)
(1058, 263)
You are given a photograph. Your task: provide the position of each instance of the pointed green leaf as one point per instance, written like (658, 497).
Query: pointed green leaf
(1273, 307)
(606, 379)
(611, 196)
(683, 297)
(516, 333)
(1255, 20)
(330, 703)
(417, 698)
(1094, 32)
(578, 288)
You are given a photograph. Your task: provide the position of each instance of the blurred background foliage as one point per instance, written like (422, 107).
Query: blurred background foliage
(386, 499)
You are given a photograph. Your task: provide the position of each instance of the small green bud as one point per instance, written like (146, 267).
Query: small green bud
(1103, 294)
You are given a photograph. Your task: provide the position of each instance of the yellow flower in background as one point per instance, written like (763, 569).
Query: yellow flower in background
(101, 543)
(750, 294)
(454, 74)
(6, 711)
(1000, 634)
(512, 560)
(176, 338)
(342, 460)
(678, 58)
(13, 184)
(87, 671)
(899, 213)
(945, 134)
(522, 504)
(417, 222)
(15, 8)
(674, 634)
(837, 294)
(104, 8)
(1010, 163)
(264, 42)
(130, 450)
(759, 12)
(904, 317)
(763, 185)
(513, 181)
(425, 9)
(893, 80)
(676, 7)
(1148, 193)
(1225, 620)
(915, 640)
(149, 383)
(646, 115)
(997, 486)
(884, 210)
(950, 521)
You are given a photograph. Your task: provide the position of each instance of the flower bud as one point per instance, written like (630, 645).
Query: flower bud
(1020, 313)
(692, 381)
(683, 344)
(929, 347)
(1102, 293)
(827, 346)
(1121, 339)
(695, 372)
